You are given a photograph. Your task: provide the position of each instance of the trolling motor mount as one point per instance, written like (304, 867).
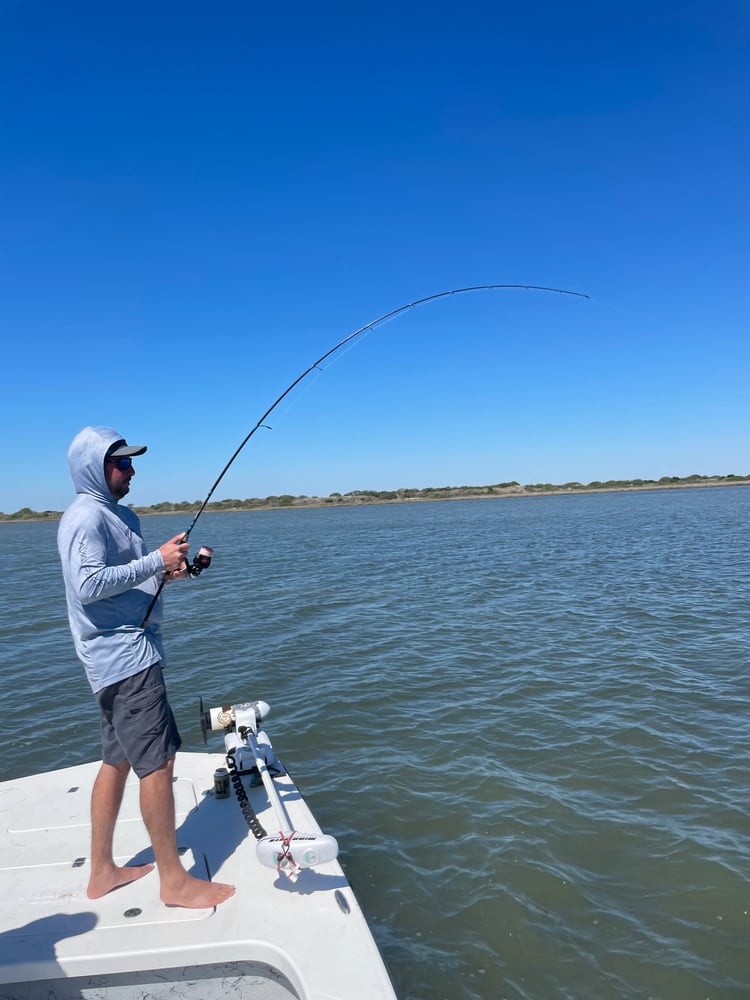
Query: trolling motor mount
(224, 717)
(249, 754)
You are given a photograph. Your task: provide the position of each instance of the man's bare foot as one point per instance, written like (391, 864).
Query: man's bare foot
(195, 893)
(105, 882)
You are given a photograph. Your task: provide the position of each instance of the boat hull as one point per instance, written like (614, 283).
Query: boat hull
(275, 939)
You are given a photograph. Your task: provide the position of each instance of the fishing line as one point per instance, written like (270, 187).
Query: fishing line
(316, 366)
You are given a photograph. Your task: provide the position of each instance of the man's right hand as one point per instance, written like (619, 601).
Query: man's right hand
(174, 553)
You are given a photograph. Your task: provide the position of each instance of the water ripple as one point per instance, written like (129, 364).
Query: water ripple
(525, 721)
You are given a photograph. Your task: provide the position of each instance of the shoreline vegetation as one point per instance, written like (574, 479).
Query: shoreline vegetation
(431, 493)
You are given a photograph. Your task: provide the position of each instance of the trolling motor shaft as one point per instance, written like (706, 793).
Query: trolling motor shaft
(249, 752)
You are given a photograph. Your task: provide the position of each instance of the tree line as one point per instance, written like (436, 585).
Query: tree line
(511, 488)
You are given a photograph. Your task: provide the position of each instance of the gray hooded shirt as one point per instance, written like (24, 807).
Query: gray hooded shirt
(110, 576)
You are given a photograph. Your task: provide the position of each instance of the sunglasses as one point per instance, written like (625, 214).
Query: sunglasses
(123, 464)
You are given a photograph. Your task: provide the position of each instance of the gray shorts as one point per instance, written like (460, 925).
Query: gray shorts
(137, 724)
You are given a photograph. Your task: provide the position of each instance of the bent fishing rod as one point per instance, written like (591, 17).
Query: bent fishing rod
(316, 365)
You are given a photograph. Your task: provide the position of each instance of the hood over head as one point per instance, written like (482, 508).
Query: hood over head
(86, 456)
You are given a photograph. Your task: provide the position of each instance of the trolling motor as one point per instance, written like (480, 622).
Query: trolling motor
(251, 756)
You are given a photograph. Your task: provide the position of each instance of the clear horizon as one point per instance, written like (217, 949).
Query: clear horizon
(660, 481)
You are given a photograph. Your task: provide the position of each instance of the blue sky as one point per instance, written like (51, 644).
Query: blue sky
(199, 200)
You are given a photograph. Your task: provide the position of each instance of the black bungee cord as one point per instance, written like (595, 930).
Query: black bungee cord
(316, 365)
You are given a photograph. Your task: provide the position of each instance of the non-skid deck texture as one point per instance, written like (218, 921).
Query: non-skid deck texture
(273, 935)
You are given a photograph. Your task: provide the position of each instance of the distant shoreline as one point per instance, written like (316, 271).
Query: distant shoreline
(426, 495)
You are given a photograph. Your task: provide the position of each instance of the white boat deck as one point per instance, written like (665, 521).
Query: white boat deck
(274, 940)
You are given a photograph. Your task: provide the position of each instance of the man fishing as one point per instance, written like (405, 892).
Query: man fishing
(110, 580)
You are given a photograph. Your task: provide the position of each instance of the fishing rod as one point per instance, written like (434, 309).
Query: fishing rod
(316, 365)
